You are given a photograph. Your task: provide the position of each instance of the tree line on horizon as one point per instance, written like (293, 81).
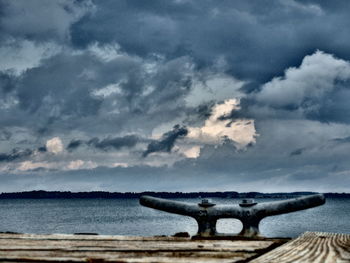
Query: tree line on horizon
(41, 194)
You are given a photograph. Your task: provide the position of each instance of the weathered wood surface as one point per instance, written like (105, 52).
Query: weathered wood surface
(92, 248)
(311, 247)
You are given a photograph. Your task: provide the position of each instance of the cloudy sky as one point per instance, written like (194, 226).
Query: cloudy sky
(175, 95)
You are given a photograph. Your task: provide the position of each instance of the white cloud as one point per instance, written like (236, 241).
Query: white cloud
(307, 84)
(54, 145)
(106, 52)
(111, 89)
(213, 87)
(29, 165)
(213, 131)
(119, 164)
(8, 102)
(192, 152)
(80, 164)
(74, 165)
(313, 9)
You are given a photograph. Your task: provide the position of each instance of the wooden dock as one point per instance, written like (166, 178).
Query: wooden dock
(310, 247)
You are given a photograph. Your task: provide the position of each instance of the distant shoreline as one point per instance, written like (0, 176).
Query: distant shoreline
(40, 194)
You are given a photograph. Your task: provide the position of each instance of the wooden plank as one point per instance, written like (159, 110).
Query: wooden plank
(249, 246)
(88, 237)
(311, 247)
(127, 257)
(92, 248)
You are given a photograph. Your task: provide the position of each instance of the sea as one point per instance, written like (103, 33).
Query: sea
(128, 217)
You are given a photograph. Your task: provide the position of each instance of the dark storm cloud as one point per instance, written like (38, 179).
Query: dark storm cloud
(114, 143)
(202, 112)
(246, 34)
(74, 144)
(7, 82)
(42, 149)
(15, 154)
(166, 143)
(128, 66)
(234, 114)
(106, 144)
(342, 140)
(18, 154)
(67, 92)
(52, 92)
(56, 87)
(297, 152)
(5, 135)
(37, 20)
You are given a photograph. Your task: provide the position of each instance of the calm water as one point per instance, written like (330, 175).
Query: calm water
(127, 217)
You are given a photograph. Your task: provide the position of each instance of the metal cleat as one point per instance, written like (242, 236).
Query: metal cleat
(249, 212)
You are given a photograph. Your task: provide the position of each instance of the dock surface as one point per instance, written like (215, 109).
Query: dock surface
(311, 247)
(318, 247)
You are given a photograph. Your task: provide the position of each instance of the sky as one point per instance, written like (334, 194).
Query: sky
(178, 95)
